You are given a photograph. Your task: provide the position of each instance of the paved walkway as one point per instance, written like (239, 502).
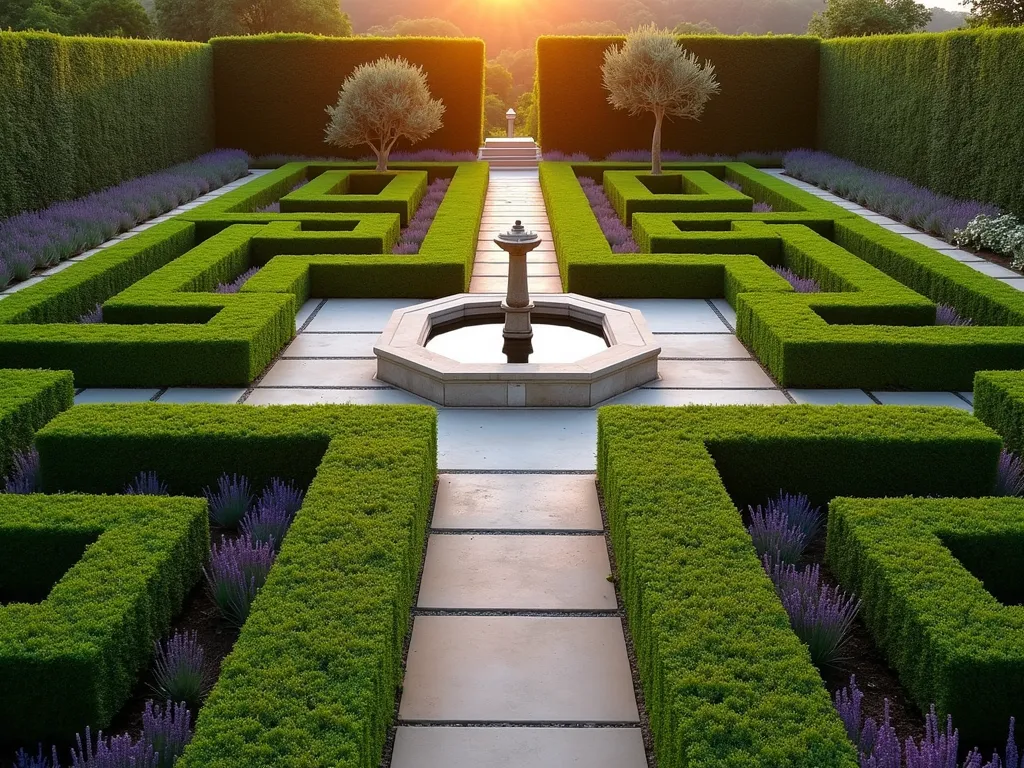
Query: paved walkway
(513, 195)
(517, 643)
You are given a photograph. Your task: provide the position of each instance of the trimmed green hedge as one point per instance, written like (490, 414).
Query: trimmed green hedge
(939, 581)
(80, 114)
(999, 402)
(768, 101)
(29, 399)
(726, 682)
(313, 676)
(271, 91)
(672, 192)
(941, 110)
(72, 658)
(360, 192)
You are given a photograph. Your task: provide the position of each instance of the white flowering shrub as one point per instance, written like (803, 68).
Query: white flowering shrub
(1003, 235)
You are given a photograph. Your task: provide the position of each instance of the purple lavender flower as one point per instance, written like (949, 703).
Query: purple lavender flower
(166, 731)
(236, 285)
(432, 156)
(113, 752)
(554, 156)
(282, 495)
(44, 238)
(1009, 475)
(774, 535)
(762, 208)
(24, 760)
(947, 315)
(266, 524)
(820, 615)
(146, 484)
(891, 195)
(25, 473)
(734, 185)
(618, 235)
(627, 247)
(630, 156)
(232, 499)
(237, 570)
(798, 511)
(181, 671)
(94, 315)
(800, 284)
(403, 249)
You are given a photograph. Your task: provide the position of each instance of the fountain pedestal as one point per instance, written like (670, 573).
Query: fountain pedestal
(518, 331)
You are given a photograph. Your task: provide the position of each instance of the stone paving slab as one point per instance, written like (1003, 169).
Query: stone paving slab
(322, 373)
(500, 284)
(515, 573)
(922, 398)
(831, 397)
(525, 747)
(110, 395)
(305, 311)
(332, 345)
(536, 257)
(700, 397)
(272, 396)
(1014, 282)
(726, 311)
(993, 270)
(533, 269)
(518, 669)
(341, 315)
(700, 345)
(711, 374)
(201, 395)
(563, 439)
(517, 502)
(677, 315)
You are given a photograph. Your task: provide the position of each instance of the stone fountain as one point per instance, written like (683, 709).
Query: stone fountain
(478, 350)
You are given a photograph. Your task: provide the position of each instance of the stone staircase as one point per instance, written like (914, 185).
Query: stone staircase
(510, 153)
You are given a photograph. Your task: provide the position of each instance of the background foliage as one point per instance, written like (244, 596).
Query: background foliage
(79, 114)
(769, 89)
(286, 113)
(941, 110)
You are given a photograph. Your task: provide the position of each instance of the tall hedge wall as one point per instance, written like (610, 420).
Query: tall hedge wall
(272, 90)
(942, 110)
(768, 100)
(80, 114)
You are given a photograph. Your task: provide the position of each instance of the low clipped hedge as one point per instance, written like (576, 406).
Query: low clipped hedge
(29, 399)
(674, 191)
(939, 581)
(72, 656)
(285, 113)
(314, 673)
(947, 105)
(161, 328)
(348, 192)
(79, 114)
(726, 682)
(768, 101)
(999, 402)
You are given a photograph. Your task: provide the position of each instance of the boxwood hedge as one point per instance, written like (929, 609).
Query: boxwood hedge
(29, 399)
(725, 680)
(313, 676)
(939, 581)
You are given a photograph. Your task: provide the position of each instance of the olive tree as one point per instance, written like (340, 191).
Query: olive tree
(381, 102)
(650, 72)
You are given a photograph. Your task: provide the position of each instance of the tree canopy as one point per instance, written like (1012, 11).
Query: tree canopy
(996, 13)
(101, 18)
(857, 18)
(203, 19)
(399, 26)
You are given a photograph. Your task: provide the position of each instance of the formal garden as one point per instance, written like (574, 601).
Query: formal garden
(753, 496)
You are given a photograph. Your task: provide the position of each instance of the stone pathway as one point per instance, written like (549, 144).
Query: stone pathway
(513, 195)
(517, 657)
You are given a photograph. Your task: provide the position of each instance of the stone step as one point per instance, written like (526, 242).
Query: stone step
(513, 162)
(508, 143)
(509, 152)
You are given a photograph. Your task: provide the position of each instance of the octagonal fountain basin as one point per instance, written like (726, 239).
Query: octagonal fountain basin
(452, 351)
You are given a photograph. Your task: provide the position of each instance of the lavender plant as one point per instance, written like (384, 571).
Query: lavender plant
(1009, 475)
(762, 208)
(890, 195)
(232, 499)
(947, 315)
(94, 315)
(39, 760)
(236, 285)
(554, 156)
(774, 535)
(44, 238)
(619, 236)
(282, 495)
(266, 524)
(415, 233)
(821, 615)
(146, 484)
(236, 572)
(181, 670)
(166, 731)
(800, 284)
(113, 752)
(25, 473)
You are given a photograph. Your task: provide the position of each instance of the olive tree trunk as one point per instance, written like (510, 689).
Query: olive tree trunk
(659, 116)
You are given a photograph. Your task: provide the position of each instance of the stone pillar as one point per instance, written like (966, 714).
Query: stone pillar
(517, 305)
(511, 117)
